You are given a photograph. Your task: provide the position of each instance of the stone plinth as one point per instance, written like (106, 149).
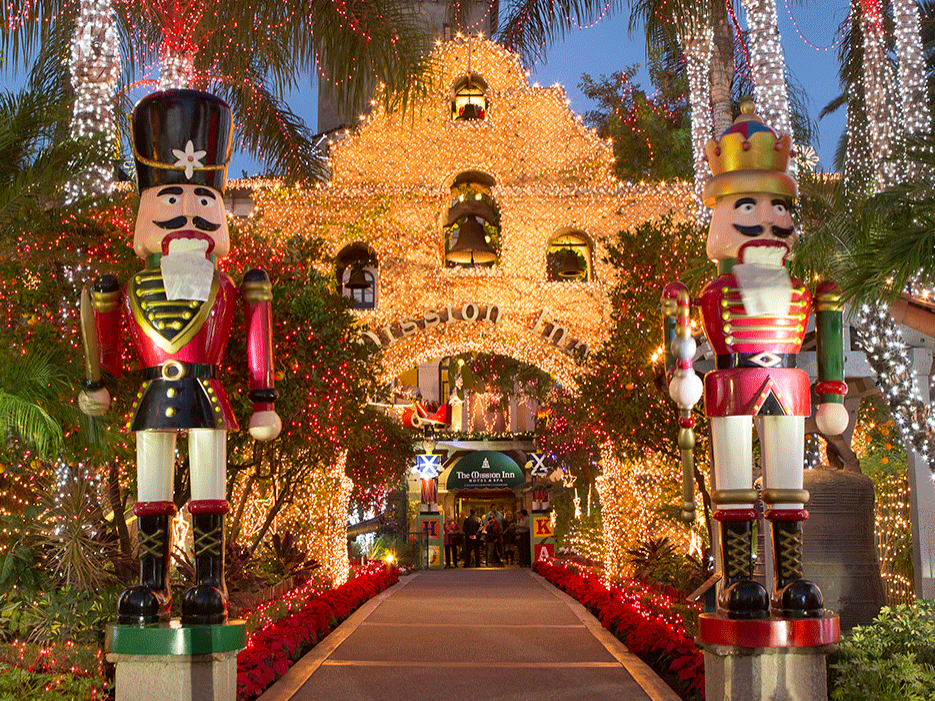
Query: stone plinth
(776, 659)
(171, 662)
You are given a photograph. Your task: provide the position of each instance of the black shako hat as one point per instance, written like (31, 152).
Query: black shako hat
(181, 137)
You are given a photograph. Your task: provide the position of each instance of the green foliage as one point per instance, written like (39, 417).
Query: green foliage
(56, 614)
(618, 398)
(403, 548)
(891, 660)
(23, 685)
(659, 560)
(651, 135)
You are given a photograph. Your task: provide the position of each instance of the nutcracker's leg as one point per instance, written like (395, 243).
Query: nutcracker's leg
(732, 442)
(783, 444)
(150, 600)
(206, 602)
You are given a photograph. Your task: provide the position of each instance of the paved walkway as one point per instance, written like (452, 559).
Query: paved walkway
(476, 634)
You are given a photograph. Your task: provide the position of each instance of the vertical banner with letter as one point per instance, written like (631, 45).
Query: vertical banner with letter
(430, 528)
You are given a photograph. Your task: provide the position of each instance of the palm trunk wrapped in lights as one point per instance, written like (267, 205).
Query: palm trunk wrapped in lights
(768, 66)
(878, 82)
(94, 64)
(697, 49)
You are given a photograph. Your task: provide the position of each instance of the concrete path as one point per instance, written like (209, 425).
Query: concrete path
(476, 634)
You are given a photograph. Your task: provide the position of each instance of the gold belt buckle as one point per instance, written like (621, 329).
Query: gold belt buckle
(172, 370)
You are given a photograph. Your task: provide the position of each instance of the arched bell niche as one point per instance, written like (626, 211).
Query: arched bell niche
(358, 276)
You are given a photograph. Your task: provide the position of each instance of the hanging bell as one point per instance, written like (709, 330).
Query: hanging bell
(571, 267)
(471, 247)
(357, 280)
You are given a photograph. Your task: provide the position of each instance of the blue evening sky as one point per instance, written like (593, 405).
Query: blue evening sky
(808, 41)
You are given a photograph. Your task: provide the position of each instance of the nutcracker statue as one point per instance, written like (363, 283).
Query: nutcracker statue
(179, 311)
(755, 317)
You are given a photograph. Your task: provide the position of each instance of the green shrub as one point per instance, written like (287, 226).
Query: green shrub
(20, 685)
(891, 660)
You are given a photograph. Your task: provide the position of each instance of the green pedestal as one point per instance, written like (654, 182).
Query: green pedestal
(172, 662)
(430, 524)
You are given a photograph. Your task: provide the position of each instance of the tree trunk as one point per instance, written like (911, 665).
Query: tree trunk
(697, 51)
(878, 82)
(913, 93)
(177, 66)
(722, 69)
(94, 65)
(768, 65)
(116, 504)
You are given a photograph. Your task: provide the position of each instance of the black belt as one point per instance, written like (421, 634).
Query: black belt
(762, 359)
(175, 370)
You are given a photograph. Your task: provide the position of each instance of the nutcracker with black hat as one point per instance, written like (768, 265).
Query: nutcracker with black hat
(178, 313)
(755, 316)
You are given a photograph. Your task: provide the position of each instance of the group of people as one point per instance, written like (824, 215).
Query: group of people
(505, 539)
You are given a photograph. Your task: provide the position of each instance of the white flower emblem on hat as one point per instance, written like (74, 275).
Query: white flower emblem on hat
(189, 158)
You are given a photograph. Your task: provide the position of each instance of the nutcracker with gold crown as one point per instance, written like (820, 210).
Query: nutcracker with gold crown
(755, 317)
(179, 311)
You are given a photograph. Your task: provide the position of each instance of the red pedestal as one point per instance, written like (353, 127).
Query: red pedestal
(717, 629)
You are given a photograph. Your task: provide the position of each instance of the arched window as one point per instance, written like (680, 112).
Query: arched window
(357, 275)
(472, 224)
(569, 258)
(470, 98)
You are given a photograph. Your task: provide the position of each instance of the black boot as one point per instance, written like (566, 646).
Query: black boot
(793, 596)
(741, 596)
(206, 602)
(150, 600)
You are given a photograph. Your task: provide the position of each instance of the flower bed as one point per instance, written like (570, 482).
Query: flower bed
(275, 643)
(659, 640)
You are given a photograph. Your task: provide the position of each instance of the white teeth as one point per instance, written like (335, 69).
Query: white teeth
(188, 245)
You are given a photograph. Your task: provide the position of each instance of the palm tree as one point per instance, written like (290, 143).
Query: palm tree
(249, 53)
(689, 26)
(768, 65)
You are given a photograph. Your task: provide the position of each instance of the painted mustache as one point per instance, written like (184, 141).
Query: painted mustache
(777, 231)
(179, 222)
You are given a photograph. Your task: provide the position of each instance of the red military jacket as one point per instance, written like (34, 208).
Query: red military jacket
(180, 345)
(756, 372)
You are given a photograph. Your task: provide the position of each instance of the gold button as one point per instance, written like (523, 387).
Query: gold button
(170, 412)
(187, 315)
(724, 303)
(171, 392)
(217, 409)
(726, 328)
(729, 339)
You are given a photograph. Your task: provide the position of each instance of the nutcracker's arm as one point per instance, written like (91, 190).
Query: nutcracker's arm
(100, 328)
(685, 386)
(831, 415)
(257, 292)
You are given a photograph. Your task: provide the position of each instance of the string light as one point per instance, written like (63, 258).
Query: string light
(768, 67)
(94, 67)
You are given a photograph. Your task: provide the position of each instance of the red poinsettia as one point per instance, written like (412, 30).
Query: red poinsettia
(272, 649)
(660, 642)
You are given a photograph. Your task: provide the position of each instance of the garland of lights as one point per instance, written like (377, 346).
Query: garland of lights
(94, 65)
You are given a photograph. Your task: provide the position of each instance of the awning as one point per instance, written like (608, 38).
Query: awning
(483, 470)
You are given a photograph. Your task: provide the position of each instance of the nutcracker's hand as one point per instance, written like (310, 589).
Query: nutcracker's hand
(94, 402)
(831, 419)
(265, 425)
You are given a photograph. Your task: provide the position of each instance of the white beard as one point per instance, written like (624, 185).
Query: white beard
(186, 272)
(765, 286)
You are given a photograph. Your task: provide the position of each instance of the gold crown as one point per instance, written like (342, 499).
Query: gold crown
(749, 158)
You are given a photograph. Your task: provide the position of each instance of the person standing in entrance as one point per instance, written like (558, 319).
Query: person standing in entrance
(452, 535)
(471, 540)
(522, 534)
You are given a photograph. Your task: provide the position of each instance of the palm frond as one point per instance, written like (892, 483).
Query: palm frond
(531, 25)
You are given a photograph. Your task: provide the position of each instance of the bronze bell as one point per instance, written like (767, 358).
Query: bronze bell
(471, 246)
(571, 266)
(357, 280)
